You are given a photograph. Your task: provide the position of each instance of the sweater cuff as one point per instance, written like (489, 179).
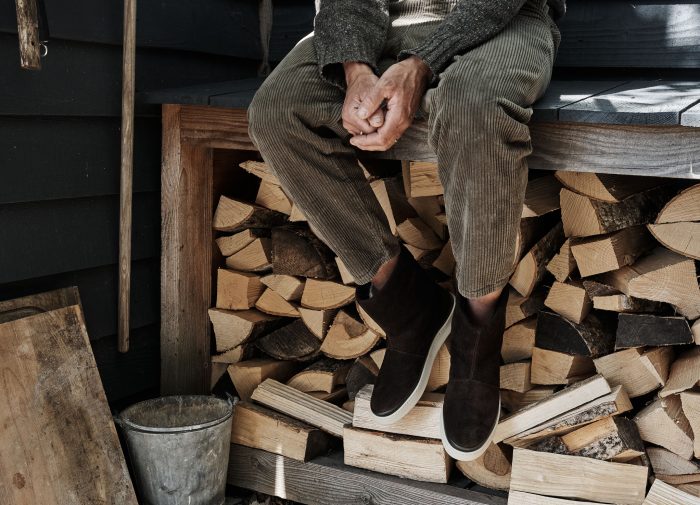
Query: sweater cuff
(435, 53)
(331, 59)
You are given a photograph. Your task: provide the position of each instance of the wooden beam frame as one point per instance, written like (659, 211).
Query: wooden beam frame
(190, 132)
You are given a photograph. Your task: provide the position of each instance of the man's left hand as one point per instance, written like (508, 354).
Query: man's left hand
(401, 88)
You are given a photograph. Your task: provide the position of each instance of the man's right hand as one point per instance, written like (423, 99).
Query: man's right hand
(360, 81)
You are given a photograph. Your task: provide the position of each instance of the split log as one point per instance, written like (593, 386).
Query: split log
(665, 494)
(491, 469)
(531, 230)
(696, 331)
(663, 423)
(555, 405)
(231, 244)
(520, 498)
(519, 340)
(238, 353)
(423, 420)
(291, 342)
(612, 404)
(323, 375)
(609, 439)
(392, 199)
(288, 287)
(569, 300)
(551, 367)
(261, 428)
(593, 337)
(348, 338)
(603, 481)
(232, 215)
(271, 196)
(421, 459)
(324, 295)
(625, 304)
(583, 217)
(261, 170)
(421, 179)
(541, 196)
(297, 251)
(363, 372)
(521, 307)
(532, 267)
(247, 375)
(428, 209)
(690, 402)
(255, 257)
(317, 321)
(639, 330)
(415, 232)
(605, 253)
(639, 371)
(562, 265)
(682, 238)
(665, 462)
(336, 397)
(345, 274)
(369, 322)
(606, 187)
(445, 262)
(685, 206)
(296, 216)
(218, 370)
(516, 376)
(287, 400)
(663, 276)
(513, 401)
(237, 290)
(233, 328)
(272, 303)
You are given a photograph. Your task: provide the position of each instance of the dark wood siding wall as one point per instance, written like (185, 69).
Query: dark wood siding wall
(59, 154)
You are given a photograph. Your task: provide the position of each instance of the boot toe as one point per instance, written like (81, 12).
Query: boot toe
(398, 378)
(470, 414)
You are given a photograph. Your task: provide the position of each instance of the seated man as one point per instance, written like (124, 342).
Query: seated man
(474, 68)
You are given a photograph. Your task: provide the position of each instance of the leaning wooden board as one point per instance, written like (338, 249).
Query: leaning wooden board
(59, 444)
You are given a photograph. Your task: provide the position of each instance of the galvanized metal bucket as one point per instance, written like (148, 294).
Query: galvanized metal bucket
(179, 448)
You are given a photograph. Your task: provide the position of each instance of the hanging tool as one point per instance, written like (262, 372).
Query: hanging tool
(127, 172)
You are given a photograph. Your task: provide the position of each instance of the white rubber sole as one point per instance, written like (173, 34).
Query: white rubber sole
(413, 398)
(468, 455)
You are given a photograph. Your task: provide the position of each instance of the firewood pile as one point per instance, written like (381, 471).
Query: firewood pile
(601, 353)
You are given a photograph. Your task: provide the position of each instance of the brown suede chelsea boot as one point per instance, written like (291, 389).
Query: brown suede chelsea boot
(415, 313)
(472, 405)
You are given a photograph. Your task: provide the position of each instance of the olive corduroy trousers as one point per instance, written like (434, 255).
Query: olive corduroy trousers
(477, 117)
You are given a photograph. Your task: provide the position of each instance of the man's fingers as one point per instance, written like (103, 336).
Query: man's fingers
(371, 103)
(377, 119)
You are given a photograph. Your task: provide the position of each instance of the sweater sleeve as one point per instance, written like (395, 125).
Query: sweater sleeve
(470, 23)
(349, 30)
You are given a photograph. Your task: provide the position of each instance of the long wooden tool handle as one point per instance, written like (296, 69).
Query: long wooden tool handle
(28, 31)
(127, 172)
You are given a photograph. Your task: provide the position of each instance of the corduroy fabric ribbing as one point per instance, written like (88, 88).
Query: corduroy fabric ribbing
(477, 116)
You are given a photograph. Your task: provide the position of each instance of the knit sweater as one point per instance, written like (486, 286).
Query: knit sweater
(355, 30)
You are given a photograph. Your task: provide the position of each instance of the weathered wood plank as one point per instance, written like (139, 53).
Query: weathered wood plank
(636, 102)
(59, 441)
(663, 151)
(691, 117)
(562, 93)
(327, 480)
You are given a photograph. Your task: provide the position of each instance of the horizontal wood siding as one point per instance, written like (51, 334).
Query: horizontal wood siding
(59, 135)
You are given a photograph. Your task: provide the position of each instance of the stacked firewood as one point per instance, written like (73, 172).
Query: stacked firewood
(601, 366)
